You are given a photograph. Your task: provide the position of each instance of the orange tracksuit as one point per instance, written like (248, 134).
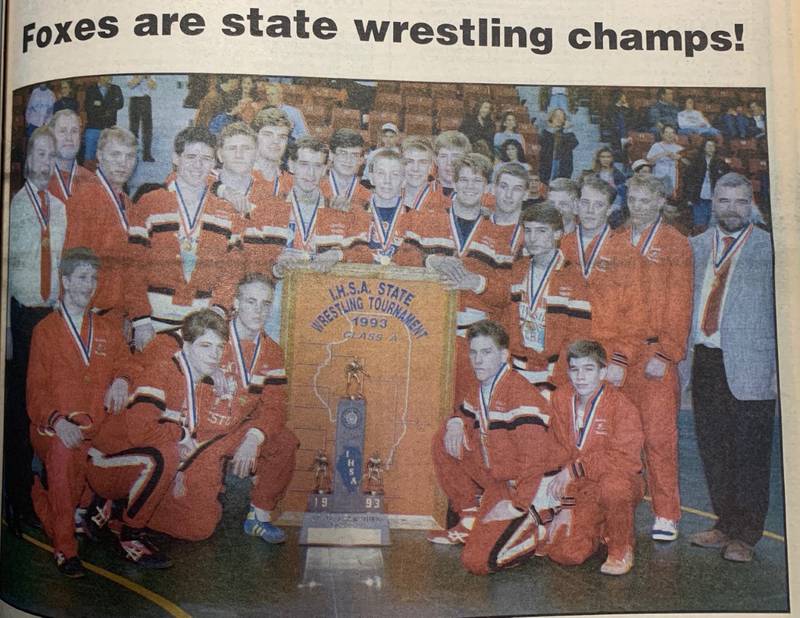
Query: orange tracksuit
(357, 194)
(484, 253)
(426, 198)
(614, 291)
(668, 282)
(561, 307)
(277, 187)
(605, 465)
(257, 405)
(161, 291)
(95, 221)
(63, 183)
(67, 381)
(509, 448)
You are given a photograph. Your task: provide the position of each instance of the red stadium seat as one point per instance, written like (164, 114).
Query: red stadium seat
(344, 118)
(449, 122)
(418, 104)
(388, 102)
(418, 124)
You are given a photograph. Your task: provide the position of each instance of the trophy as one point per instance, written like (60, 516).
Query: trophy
(352, 511)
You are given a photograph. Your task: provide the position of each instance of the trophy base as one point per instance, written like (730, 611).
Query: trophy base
(345, 529)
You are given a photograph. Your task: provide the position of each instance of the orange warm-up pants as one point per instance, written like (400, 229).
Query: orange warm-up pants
(658, 401)
(490, 546)
(191, 509)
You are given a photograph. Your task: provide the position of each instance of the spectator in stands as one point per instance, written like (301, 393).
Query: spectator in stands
(39, 109)
(700, 178)
(620, 118)
(734, 122)
(641, 167)
(691, 120)
(140, 112)
(65, 98)
(603, 167)
(249, 104)
(103, 101)
(272, 93)
(508, 126)
(663, 111)
(758, 121)
(665, 156)
(223, 95)
(555, 157)
(558, 98)
(510, 152)
(479, 126)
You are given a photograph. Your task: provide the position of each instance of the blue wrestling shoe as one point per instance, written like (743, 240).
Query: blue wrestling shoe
(262, 529)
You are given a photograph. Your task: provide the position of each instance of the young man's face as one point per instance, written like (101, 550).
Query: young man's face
(253, 304)
(237, 154)
(444, 162)
(346, 160)
(486, 358)
(67, 130)
(418, 166)
(272, 141)
(644, 206)
(387, 176)
(470, 186)
(564, 203)
(389, 139)
(204, 353)
(308, 169)
(41, 160)
(80, 285)
(733, 207)
(194, 164)
(117, 161)
(586, 375)
(509, 193)
(540, 238)
(593, 209)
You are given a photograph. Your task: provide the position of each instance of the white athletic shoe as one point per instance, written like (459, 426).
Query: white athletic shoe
(664, 529)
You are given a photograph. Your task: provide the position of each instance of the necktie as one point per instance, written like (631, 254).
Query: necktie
(44, 262)
(710, 323)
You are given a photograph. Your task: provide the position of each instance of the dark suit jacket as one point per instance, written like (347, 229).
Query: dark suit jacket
(101, 111)
(696, 172)
(564, 154)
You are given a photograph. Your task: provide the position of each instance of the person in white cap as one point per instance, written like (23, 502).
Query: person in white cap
(390, 136)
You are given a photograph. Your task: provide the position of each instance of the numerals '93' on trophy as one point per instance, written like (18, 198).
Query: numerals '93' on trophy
(351, 512)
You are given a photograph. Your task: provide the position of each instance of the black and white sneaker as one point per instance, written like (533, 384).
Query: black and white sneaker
(70, 567)
(137, 548)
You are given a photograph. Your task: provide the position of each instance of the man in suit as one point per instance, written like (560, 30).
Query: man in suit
(734, 383)
(103, 101)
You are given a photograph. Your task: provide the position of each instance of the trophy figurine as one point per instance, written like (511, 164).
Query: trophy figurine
(373, 478)
(355, 373)
(322, 474)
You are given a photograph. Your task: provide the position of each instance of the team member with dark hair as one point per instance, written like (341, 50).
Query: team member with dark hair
(182, 237)
(496, 446)
(342, 186)
(75, 377)
(136, 456)
(601, 485)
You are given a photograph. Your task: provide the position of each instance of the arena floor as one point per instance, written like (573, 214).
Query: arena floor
(234, 575)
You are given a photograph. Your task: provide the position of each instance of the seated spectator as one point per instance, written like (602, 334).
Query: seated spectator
(555, 158)
(510, 152)
(479, 126)
(272, 93)
(758, 121)
(641, 167)
(508, 126)
(691, 120)
(734, 122)
(222, 96)
(249, 104)
(663, 111)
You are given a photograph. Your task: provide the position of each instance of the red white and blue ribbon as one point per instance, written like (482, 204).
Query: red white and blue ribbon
(588, 264)
(651, 236)
(582, 433)
(33, 196)
(335, 186)
(66, 188)
(535, 294)
(728, 254)
(306, 229)
(191, 397)
(84, 347)
(462, 247)
(245, 369)
(118, 205)
(385, 228)
(419, 198)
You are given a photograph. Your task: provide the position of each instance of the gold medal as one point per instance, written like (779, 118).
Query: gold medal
(186, 245)
(384, 260)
